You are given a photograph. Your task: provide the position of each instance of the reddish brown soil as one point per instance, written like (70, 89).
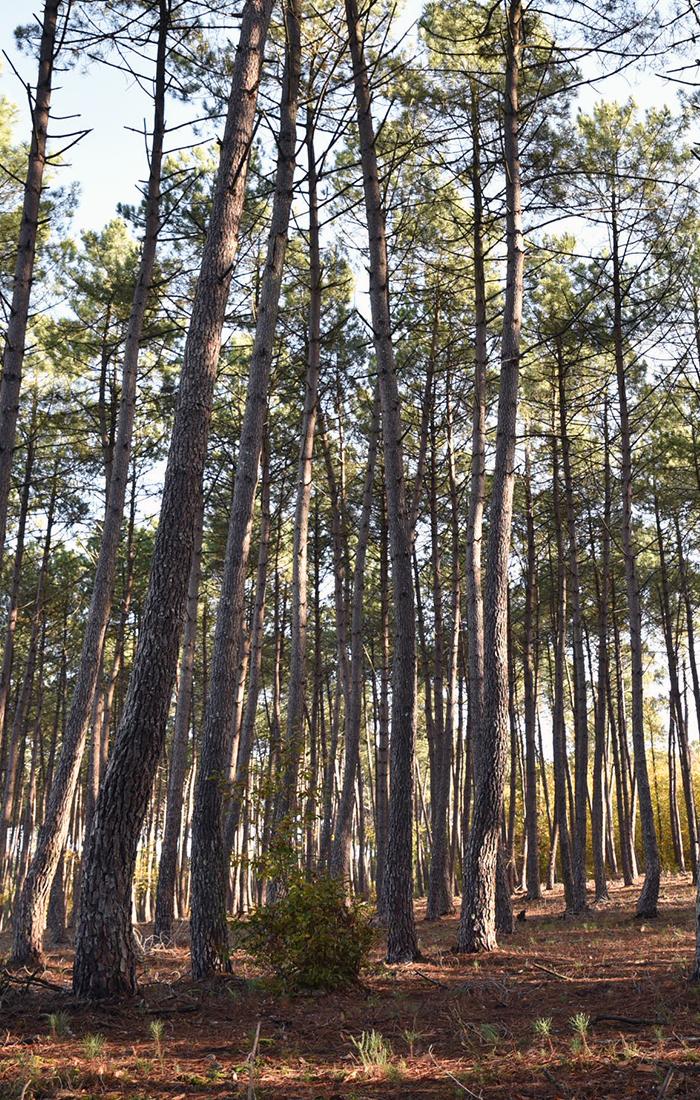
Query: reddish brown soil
(456, 1026)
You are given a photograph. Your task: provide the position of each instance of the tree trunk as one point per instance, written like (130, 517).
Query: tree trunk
(340, 854)
(16, 334)
(559, 748)
(18, 732)
(603, 593)
(382, 766)
(648, 899)
(580, 707)
(530, 643)
(475, 607)
(165, 895)
(104, 961)
(477, 930)
(209, 936)
(439, 886)
(398, 878)
(9, 752)
(676, 699)
(296, 697)
(31, 915)
(245, 744)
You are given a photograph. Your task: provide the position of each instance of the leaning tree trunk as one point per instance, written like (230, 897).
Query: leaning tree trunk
(648, 899)
(16, 334)
(477, 931)
(209, 935)
(104, 961)
(31, 914)
(398, 872)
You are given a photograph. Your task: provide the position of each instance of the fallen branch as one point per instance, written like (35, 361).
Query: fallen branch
(554, 973)
(31, 979)
(633, 1021)
(434, 981)
(665, 1085)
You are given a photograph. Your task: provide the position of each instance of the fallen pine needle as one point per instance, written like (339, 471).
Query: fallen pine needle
(455, 1080)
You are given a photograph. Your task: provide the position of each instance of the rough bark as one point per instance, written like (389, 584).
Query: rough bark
(398, 877)
(167, 869)
(16, 333)
(477, 930)
(104, 961)
(31, 914)
(209, 936)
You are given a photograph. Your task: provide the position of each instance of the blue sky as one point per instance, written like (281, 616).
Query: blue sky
(110, 160)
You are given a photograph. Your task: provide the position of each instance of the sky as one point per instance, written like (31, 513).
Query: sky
(111, 159)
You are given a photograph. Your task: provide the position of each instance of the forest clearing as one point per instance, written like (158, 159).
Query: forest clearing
(502, 1025)
(349, 549)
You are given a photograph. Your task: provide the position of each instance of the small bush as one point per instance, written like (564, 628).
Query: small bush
(93, 1046)
(373, 1051)
(59, 1024)
(311, 937)
(542, 1027)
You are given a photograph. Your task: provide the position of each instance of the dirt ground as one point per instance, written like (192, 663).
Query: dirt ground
(449, 1026)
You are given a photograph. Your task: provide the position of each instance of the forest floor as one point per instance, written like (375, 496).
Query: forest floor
(452, 1026)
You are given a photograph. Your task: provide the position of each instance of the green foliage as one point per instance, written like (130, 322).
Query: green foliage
(542, 1027)
(59, 1024)
(311, 937)
(489, 1034)
(156, 1028)
(580, 1023)
(373, 1050)
(93, 1046)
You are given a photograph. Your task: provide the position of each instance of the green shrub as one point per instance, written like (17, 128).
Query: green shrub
(311, 937)
(372, 1049)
